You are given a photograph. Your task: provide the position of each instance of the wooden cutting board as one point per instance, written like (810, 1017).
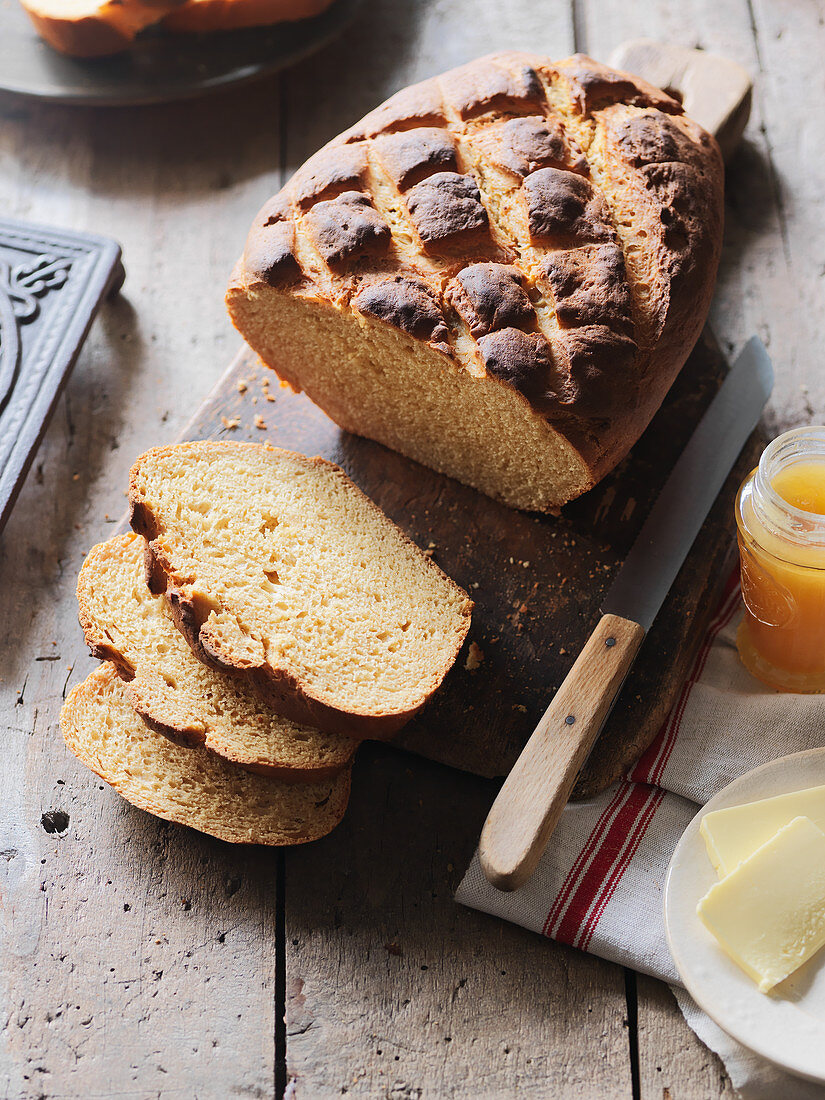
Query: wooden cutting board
(537, 581)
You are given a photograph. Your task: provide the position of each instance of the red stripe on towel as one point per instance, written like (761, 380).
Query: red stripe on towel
(590, 846)
(609, 888)
(610, 850)
(651, 765)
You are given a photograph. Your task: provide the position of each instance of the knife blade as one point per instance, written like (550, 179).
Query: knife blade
(536, 791)
(657, 555)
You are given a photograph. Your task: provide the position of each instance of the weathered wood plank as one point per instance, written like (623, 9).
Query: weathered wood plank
(361, 1018)
(789, 49)
(755, 293)
(673, 1064)
(136, 959)
(770, 279)
(395, 991)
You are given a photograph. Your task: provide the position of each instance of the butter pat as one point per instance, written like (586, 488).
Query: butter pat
(769, 914)
(733, 834)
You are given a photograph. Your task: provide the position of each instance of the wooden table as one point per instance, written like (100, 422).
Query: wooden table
(142, 960)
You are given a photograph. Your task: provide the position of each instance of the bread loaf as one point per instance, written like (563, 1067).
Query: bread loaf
(224, 15)
(191, 786)
(173, 691)
(282, 572)
(498, 272)
(96, 28)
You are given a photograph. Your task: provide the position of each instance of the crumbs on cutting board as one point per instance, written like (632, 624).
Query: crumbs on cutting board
(475, 657)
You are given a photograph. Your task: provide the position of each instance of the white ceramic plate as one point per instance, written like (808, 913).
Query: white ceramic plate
(788, 1026)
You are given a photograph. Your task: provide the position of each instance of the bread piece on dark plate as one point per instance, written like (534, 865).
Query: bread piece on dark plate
(97, 28)
(94, 28)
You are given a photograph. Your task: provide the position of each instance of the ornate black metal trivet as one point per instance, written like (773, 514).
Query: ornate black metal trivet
(52, 282)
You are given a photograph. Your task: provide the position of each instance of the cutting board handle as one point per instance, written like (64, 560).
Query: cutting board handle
(714, 90)
(536, 791)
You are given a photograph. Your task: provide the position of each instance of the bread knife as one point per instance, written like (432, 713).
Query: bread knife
(531, 800)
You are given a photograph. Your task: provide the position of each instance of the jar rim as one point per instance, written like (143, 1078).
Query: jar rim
(793, 446)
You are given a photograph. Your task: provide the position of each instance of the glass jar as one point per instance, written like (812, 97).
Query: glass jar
(781, 639)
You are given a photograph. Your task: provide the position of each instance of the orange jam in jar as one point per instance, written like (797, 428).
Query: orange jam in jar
(780, 516)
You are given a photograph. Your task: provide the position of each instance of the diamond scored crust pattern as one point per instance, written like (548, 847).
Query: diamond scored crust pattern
(498, 166)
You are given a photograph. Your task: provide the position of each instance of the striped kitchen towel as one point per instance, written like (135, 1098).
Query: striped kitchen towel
(599, 885)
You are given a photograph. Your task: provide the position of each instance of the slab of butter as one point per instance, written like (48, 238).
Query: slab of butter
(769, 913)
(733, 834)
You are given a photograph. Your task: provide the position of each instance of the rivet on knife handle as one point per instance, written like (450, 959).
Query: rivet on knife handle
(536, 791)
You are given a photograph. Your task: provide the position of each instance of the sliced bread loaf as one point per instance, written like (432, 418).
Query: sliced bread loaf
(174, 692)
(191, 786)
(279, 568)
(498, 272)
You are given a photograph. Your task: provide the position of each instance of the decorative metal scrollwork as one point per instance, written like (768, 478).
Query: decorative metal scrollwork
(20, 288)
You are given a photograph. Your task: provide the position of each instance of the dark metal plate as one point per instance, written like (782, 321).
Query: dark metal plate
(159, 67)
(52, 282)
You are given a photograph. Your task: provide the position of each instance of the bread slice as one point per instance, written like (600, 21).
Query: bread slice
(223, 15)
(174, 692)
(94, 28)
(191, 786)
(280, 569)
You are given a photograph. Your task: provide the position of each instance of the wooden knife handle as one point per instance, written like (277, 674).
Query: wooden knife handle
(536, 791)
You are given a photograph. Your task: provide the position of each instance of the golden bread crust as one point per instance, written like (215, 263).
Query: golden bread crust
(200, 614)
(581, 195)
(131, 626)
(190, 785)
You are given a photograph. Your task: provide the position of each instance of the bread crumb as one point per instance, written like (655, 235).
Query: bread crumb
(474, 584)
(526, 564)
(259, 422)
(230, 423)
(270, 397)
(562, 650)
(521, 707)
(475, 656)
(242, 385)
